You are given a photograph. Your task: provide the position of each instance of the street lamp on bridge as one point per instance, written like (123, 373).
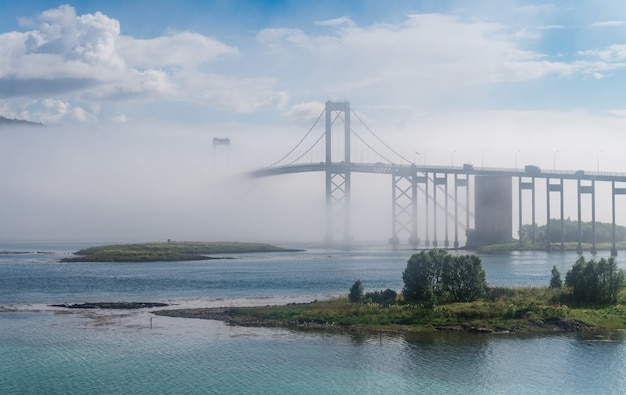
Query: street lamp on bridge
(598, 161)
(554, 160)
(517, 152)
(452, 158)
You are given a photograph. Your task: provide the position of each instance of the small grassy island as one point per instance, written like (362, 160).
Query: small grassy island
(512, 311)
(446, 292)
(167, 251)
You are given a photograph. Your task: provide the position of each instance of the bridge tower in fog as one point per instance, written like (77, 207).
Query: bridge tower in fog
(338, 220)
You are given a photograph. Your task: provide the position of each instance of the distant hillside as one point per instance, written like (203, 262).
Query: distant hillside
(16, 122)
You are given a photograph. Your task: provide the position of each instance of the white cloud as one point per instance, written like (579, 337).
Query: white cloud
(55, 111)
(607, 24)
(424, 56)
(344, 20)
(184, 49)
(304, 111)
(84, 60)
(613, 52)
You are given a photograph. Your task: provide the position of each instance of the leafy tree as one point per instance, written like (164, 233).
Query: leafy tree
(463, 278)
(356, 292)
(595, 282)
(435, 276)
(556, 281)
(423, 275)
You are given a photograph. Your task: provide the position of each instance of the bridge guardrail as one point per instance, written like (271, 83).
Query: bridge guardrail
(388, 168)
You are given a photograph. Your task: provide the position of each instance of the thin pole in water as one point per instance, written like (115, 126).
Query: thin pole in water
(151, 322)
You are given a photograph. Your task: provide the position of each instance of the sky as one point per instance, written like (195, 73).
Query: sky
(132, 93)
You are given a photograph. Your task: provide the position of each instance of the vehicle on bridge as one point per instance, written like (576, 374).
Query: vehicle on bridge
(532, 169)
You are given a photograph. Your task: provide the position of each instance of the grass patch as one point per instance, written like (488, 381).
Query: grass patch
(504, 309)
(167, 251)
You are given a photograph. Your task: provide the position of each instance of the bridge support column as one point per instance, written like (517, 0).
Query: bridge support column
(338, 177)
(554, 188)
(522, 186)
(460, 182)
(446, 242)
(579, 248)
(614, 249)
(434, 209)
(615, 191)
(519, 205)
(548, 230)
(414, 239)
(404, 206)
(562, 219)
(586, 189)
(427, 242)
(467, 204)
(534, 225)
(456, 211)
(393, 240)
(594, 248)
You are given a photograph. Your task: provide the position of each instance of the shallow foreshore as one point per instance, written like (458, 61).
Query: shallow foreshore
(111, 305)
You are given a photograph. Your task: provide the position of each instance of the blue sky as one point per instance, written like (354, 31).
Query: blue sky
(132, 91)
(428, 55)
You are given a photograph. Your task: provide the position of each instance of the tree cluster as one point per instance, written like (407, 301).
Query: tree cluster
(435, 276)
(595, 282)
(604, 232)
(357, 295)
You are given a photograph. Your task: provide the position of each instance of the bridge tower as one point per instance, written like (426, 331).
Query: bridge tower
(338, 175)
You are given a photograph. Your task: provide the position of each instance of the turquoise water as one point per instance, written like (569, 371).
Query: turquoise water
(45, 350)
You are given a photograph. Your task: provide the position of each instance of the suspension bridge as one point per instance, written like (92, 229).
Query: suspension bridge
(433, 196)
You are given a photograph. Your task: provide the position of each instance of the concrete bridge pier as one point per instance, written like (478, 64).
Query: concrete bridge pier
(426, 211)
(456, 211)
(525, 185)
(414, 240)
(590, 190)
(554, 188)
(446, 242)
(615, 191)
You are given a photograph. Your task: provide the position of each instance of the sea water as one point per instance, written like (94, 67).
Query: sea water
(48, 350)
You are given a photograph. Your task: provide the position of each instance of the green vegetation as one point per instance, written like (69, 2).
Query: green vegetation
(595, 282)
(435, 276)
(604, 237)
(356, 292)
(444, 292)
(385, 298)
(541, 246)
(604, 232)
(502, 310)
(166, 251)
(555, 280)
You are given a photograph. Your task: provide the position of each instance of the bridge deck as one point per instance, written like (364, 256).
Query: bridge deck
(408, 170)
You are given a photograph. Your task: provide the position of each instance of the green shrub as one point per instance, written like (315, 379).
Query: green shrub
(595, 282)
(435, 276)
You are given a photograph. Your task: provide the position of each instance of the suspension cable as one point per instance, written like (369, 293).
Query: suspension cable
(379, 139)
(370, 147)
(300, 142)
(307, 151)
